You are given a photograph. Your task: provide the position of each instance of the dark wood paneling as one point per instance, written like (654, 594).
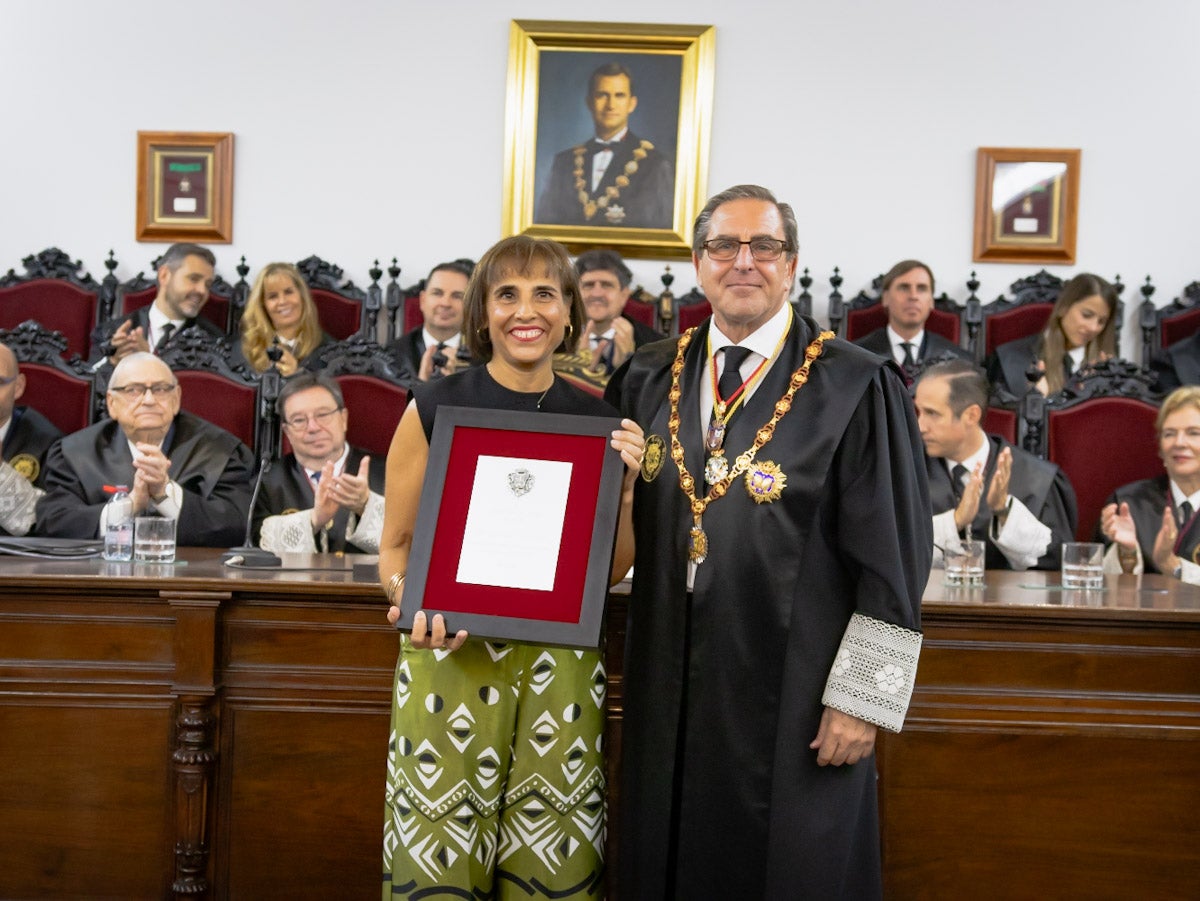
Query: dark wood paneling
(194, 732)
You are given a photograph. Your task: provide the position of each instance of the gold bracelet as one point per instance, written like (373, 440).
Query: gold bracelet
(393, 586)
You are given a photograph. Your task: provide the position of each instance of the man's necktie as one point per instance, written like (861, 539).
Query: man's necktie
(167, 331)
(731, 375)
(1185, 513)
(957, 472)
(909, 359)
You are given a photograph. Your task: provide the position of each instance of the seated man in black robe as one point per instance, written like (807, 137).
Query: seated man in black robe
(1022, 507)
(907, 295)
(609, 335)
(185, 274)
(325, 496)
(175, 464)
(26, 435)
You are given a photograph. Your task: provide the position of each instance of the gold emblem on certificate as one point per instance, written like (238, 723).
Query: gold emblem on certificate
(765, 482)
(652, 460)
(520, 482)
(26, 465)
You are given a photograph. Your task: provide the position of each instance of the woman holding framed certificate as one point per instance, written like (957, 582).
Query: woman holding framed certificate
(496, 775)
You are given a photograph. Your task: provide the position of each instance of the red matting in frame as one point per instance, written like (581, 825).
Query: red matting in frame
(571, 612)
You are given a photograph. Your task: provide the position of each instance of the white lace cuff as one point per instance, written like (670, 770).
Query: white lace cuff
(18, 497)
(874, 672)
(288, 533)
(1024, 538)
(367, 532)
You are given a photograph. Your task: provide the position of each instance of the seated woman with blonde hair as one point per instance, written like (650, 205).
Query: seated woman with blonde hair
(280, 310)
(1081, 330)
(1152, 524)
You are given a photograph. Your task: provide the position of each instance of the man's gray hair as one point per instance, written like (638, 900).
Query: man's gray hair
(791, 232)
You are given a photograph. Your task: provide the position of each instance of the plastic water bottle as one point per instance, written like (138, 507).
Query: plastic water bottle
(118, 529)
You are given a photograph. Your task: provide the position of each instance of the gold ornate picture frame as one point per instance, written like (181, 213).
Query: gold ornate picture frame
(1026, 205)
(570, 81)
(185, 186)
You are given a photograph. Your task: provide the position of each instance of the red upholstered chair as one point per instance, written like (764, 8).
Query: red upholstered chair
(865, 314)
(340, 305)
(1100, 430)
(62, 392)
(642, 307)
(1176, 321)
(690, 310)
(211, 388)
(372, 391)
(55, 293)
(1025, 313)
(1002, 421)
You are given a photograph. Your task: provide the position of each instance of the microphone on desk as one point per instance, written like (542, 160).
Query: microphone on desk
(268, 436)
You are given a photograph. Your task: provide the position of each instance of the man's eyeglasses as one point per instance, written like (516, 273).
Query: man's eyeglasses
(299, 422)
(136, 390)
(764, 250)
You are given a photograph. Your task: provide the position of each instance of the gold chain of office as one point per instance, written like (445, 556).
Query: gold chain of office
(698, 543)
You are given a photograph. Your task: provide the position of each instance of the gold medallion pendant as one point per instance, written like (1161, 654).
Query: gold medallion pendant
(26, 465)
(697, 545)
(652, 459)
(765, 481)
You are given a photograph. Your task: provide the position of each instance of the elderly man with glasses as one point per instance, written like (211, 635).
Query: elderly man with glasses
(326, 496)
(173, 463)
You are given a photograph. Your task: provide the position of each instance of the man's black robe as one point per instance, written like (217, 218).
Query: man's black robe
(30, 436)
(211, 466)
(746, 663)
(1041, 486)
(1147, 499)
(33, 434)
(286, 488)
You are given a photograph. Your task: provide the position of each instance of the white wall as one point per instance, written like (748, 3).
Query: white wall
(374, 128)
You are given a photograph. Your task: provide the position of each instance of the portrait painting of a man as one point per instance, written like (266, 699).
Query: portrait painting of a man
(623, 174)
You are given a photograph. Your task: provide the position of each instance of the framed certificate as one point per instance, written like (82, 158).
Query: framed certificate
(185, 186)
(1026, 205)
(515, 530)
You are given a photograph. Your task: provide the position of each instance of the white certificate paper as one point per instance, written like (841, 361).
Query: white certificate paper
(513, 539)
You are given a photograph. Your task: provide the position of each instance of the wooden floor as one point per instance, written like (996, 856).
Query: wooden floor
(187, 732)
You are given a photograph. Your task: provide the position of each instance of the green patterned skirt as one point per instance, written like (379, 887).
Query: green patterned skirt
(495, 774)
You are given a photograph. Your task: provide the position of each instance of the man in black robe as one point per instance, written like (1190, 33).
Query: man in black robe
(325, 495)
(617, 179)
(435, 348)
(1023, 508)
(185, 275)
(773, 628)
(1178, 365)
(175, 464)
(26, 435)
(907, 295)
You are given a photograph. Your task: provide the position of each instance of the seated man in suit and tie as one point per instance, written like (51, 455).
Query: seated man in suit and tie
(27, 436)
(1152, 524)
(435, 348)
(185, 274)
(615, 179)
(1022, 507)
(907, 295)
(325, 496)
(174, 464)
(609, 335)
